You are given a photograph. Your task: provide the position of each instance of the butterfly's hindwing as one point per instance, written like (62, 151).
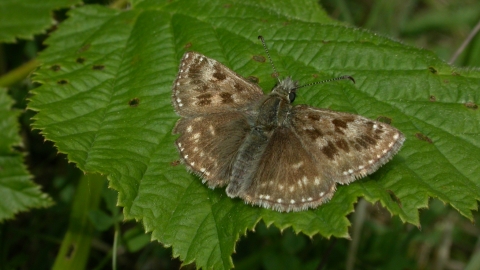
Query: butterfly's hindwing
(208, 145)
(288, 177)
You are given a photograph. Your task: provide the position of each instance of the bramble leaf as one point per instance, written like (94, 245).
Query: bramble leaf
(106, 102)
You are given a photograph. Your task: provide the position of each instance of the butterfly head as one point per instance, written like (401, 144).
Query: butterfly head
(286, 88)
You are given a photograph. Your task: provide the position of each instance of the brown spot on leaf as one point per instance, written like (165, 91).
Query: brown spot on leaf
(259, 58)
(432, 70)
(394, 198)
(252, 79)
(423, 137)
(342, 144)
(55, 67)
(329, 150)
(188, 45)
(80, 60)
(62, 82)
(471, 105)
(433, 98)
(226, 98)
(84, 48)
(175, 163)
(133, 102)
(384, 119)
(98, 67)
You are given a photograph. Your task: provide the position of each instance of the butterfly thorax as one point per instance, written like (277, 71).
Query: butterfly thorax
(275, 109)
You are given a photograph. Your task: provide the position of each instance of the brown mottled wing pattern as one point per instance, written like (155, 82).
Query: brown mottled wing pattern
(205, 86)
(214, 103)
(353, 147)
(289, 178)
(316, 149)
(208, 145)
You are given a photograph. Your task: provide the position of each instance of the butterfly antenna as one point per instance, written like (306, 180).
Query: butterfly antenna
(345, 77)
(269, 58)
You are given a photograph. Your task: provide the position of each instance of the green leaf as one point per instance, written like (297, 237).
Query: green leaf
(106, 102)
(17, 190)
(25, 18)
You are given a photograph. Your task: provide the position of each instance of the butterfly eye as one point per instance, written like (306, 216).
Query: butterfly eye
(291, 96)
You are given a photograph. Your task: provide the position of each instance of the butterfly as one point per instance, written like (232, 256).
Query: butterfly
(262, 148)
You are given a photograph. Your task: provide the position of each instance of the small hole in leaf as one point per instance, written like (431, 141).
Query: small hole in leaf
(259, 58)
(423, 137)
(175, 163)
(471, 105)
(253, 79)
(98, 67)
(84, 48)
(188, 45)
(384, 119)
(433, 98)
(62, 82)
(80, 60)
(134, 102)
(432, 70)
(55, 67)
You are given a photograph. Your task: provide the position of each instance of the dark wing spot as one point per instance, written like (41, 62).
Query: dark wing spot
(342, 144)
(339, 123)
(365, 140)
(313, 134)
(238, 87)
(361, 142)
(369, 139)
(204, 99)
(219, 76)
(313, 117)
(379, 130)
(357, 146)
(226, 97)
(329, 150)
